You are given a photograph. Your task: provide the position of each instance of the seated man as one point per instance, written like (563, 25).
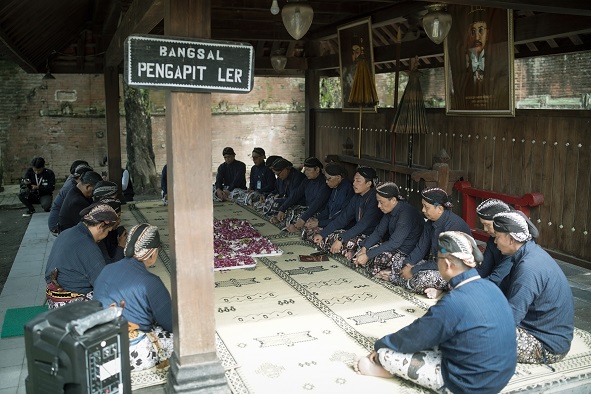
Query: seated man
(77, 199)
(337, 179)
(164, 185)
(419, 273)
(495, 266)
(77, 168)
(37, 186)
(75, 260)
(472, 327)
(314, 192)
(147, 302)
(401, 221)
(537, 290)
(231, 175)
(262, 179)
(362, 211)
(287, 182)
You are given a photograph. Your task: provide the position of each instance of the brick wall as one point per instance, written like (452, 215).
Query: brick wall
(63, 120)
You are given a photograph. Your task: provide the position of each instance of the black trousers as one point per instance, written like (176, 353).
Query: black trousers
(33, 198)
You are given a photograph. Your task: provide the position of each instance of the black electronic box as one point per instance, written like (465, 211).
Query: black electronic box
(78, 348)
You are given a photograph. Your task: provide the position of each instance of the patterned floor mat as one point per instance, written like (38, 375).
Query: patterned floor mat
(297, 327)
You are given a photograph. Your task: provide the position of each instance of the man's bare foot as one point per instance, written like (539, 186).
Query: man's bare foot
(364, 366)
(292, 228)
(433, 293)
(349, 256)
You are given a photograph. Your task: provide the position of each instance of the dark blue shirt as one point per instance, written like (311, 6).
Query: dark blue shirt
(164, 181)
(147, 300)
(286, 187)
(363, 210)
(315, 193)
(78, 260)
(74, 202)
(474, 329)
(232, 176)
(495, 266)
(338, 200)
(405, 226)
(265, 176)
(540, 297)
(427, 246)
(54, 213)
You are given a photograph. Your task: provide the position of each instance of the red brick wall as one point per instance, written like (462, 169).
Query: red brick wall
(63, 120)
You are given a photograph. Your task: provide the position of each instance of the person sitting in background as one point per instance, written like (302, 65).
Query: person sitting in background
(362, 210)
(164, 185)
(127, 185)
(262, 179)
(231, 175)
(37, 186)
(537, 290)
(77, 199)
(495, 267)
(75, 260)
(419, 270)
(288, 181)
(404, 225)
(464, 343)
(313, 191)
(147, 302)
(337, 179)
(77, 168)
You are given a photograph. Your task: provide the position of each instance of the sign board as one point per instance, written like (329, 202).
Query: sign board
(183, 64)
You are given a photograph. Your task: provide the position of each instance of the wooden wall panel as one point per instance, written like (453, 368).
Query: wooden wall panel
(518, 155)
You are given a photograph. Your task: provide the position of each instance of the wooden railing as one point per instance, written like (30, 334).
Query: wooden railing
(469, 203)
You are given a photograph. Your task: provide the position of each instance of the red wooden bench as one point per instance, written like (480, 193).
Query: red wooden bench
(469, 204)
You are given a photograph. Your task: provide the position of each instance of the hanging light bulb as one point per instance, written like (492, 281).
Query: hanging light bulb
(437, 23)
(274, 7)
(297, 18)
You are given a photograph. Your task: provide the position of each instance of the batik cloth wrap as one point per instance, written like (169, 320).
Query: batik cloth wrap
(149, 349)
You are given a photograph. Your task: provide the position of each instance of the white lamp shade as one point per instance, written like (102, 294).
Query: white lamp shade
(437, 24)
(297, 18)
(278, 62)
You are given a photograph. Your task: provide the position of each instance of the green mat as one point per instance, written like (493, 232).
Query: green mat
(15, 319)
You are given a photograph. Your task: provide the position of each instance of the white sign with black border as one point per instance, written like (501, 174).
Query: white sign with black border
(184, 64)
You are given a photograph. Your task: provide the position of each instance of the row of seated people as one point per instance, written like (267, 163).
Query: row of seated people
(532, 301)
(373, 226)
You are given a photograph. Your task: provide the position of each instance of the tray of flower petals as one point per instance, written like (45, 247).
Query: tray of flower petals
(236, 242)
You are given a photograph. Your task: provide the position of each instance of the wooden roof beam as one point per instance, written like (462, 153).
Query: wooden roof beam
(141, 18)
(568, 7)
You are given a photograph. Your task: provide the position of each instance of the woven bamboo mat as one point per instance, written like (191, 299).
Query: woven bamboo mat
(296, 327)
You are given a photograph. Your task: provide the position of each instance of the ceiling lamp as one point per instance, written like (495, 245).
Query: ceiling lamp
(297, 17)
(278, 61)
(274, 7)
(437, 23)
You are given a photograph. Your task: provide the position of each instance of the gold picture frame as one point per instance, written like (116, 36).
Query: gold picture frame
(479, 62)
(354, 38)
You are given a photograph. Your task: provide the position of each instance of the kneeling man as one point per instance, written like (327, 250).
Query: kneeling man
(537, 290)
(472, 325)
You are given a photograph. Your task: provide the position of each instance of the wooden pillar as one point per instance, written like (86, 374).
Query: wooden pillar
(312, 86)
(111, 81)
(194, 364)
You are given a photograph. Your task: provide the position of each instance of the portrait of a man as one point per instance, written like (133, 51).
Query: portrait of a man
(479, 61)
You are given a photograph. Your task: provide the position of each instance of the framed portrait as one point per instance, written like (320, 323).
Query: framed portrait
(354, 40)
(479, 70)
